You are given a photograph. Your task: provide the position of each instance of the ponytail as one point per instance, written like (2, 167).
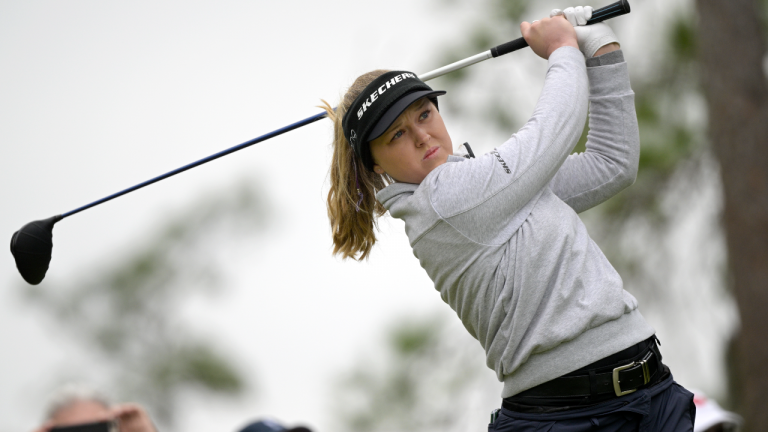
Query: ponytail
(352, 206)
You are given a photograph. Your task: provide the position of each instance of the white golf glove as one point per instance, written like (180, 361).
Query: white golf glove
(591, 38)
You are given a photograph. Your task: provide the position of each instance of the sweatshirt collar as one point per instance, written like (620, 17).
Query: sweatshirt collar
(391, 193)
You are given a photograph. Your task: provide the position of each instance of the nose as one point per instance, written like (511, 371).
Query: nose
(422, 136)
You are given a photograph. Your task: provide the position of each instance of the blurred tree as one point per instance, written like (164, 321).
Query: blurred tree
(733, 54)
(430, 376)
(130, 313)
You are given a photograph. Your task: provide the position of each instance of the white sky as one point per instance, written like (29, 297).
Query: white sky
(97, 96)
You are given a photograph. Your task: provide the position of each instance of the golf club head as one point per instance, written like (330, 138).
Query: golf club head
(31, 247)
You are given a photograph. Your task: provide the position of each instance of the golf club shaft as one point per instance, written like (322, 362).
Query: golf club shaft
(613, 10)
(249, 143)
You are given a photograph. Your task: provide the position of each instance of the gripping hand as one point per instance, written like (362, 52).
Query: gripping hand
(591, 38)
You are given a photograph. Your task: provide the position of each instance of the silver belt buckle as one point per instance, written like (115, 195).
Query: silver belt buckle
(646, 371)
(616, 387)
(646, 374)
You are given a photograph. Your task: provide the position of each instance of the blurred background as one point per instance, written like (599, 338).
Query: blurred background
(212, 298)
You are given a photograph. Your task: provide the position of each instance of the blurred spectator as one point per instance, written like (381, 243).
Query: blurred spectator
(74, 404)
(710, 417)
(271, 426)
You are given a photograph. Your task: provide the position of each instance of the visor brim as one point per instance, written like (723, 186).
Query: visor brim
(397, 108)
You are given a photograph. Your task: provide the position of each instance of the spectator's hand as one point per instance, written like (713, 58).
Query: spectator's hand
(548, 34)
(591, 38)
(132, 418)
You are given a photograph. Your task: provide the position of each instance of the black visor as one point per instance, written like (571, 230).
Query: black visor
(378, 106)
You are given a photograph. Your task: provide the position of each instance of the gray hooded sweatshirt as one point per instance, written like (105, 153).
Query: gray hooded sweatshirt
(500, 237)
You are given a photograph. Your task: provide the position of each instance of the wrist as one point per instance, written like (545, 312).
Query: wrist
(555, 47)
(605, 49)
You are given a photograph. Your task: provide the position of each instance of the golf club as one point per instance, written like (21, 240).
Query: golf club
(32, 245)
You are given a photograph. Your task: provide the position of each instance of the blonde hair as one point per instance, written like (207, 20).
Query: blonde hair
(353, 226)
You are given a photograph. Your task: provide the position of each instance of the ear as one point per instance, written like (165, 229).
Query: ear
(378, 170)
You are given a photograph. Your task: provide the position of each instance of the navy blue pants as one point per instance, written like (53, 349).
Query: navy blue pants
(664, 407)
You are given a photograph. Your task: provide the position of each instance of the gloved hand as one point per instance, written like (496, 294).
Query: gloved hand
(591, 38)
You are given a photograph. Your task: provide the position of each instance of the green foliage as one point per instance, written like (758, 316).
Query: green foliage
(128, 313)
(512, 10)
(424, 373)
(671, 137)
(413, 340)
(196, 365)
(683, 39)
(668, 136)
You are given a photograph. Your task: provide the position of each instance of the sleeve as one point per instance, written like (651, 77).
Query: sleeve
(479, 195)
(610, 161)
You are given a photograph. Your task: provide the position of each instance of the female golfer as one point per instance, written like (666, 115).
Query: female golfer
(500, 237)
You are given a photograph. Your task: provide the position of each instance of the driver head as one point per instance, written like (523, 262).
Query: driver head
(31, 247)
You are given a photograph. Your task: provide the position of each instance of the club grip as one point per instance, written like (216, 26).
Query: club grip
(613, 10)
(508, 47)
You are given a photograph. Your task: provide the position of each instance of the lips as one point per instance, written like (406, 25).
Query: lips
(430, 152)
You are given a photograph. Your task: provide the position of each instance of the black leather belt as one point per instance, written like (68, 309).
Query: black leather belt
(621, 380)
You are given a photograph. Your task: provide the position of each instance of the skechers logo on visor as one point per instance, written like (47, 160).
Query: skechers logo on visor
(384, 87)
